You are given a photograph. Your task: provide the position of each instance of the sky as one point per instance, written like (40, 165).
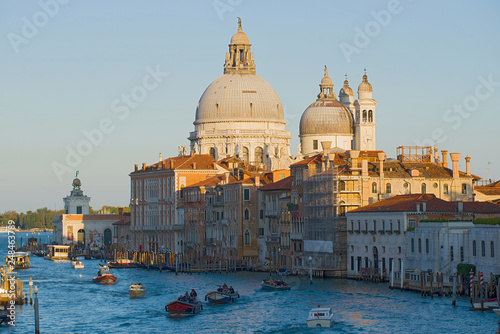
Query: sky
(98, 86)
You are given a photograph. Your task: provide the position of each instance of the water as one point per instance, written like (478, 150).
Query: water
(71, 303)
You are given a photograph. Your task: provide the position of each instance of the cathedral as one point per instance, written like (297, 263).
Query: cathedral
(240, 115)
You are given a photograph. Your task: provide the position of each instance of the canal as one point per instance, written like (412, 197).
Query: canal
(71, 303)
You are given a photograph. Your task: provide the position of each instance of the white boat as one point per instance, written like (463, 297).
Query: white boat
(497, 311)
(77, 264)
(57, 252)
(137, 290)
(320, 317)
(488, 304)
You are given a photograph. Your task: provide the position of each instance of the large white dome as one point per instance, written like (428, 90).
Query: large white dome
(239, 97)
(326, 117)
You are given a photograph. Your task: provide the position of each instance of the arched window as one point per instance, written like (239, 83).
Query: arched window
(474, 252)
(464, 188)
(424, 188)
(342, 209)
(247, 237)
(388, 188)
(492, 249)
(212, 152)
(245, 153)
(258, 155)
(370, 116)
(81, 237)
(420, 245)
(107, 237)
(483, 248)
(374, 187)
(341, 186)
(446, 190)
(364, 116)
(247, 214)
(412, 245)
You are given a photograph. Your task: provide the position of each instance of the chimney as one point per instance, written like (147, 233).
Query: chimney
(160, 157)
(257, 180)
(436, 155)
(227, 177)
(192, 153)
(215, 165)
(354, 159)
(143, 166)
(136, 167)
(326, 145)
(381, 158)
(120, 213)
(467, 165)
(460, 206)
(445, 162)
(194, 165)
(454, 158)
(364, 167)
(171, 164)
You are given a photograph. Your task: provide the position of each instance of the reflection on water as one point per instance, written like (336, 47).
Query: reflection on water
(71, 303)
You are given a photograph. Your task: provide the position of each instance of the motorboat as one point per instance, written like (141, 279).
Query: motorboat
(122, 263)
(137, 290)
(222, 296)
(283, 272)
(320, 317)
(187, 307)
(77, 264)
(488, 304)
(276, 285)
(104, 276)
(18, 260)
(57, 252)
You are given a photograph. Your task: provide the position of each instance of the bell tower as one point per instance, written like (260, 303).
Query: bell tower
(364, 117)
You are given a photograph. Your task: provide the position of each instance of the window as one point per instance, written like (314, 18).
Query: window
(451, 253)
(374, 188)
(464, 188)
(474, 252)
(427, 246)
(399, 226)
(366, 225)
(446, 190)
(492, 249)
(420, 245)
(79, 210)
(261, 214)
(342, 186)
(412, 245)
(258, 155)
(245, 154)
(399, 249)
(247, 237)
(352, 225)
(246, 194)
(424, 188)
(374, 226)
(357, 116)
(352, 263)
(364, 116)
(461, 254)
(370, 116)
(212, 152)
(247, 214)
(483, 249)
(388, 188)
(315, 144)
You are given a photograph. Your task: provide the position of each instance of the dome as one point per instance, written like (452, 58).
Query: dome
(326, 81)
(240, 38)
(365, 86)
(239, 97)
(326, 117)
(346, 90)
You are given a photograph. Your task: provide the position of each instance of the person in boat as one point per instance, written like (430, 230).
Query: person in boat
(193, 294)
(219, 289)
(224, 286)
(180, 298)
(231, 290)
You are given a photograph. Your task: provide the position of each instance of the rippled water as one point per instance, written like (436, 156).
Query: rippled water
(71, 303)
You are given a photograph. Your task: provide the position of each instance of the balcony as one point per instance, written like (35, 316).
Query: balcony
(210, 241)
(273, 239)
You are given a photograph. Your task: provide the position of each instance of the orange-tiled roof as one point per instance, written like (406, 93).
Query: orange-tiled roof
(407, 203)
(91, 217)
(487, 190)
(285, 184)
(185, 162)
(211, 181)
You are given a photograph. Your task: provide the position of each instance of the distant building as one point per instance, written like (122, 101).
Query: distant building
(80, 228)
(488, 193)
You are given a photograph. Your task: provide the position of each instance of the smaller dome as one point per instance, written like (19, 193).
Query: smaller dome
(326, 81)
(346, 90)
(365, 86)
(326, 117)
(240, 38)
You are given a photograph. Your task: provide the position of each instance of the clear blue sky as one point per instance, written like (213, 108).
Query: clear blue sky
(64, 77)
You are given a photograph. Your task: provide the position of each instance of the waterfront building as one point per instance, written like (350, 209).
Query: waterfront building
(80, 228)
(240, 114)
(275, 226)
(157, 220)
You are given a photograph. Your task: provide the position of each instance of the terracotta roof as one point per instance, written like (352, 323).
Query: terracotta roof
(407, 203)
(211, 181)
(488, 190)
(195, 161)
(285, 184)
(315, 159)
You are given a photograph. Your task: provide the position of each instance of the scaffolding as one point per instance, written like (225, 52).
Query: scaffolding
(414, 153)
(325, 231)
